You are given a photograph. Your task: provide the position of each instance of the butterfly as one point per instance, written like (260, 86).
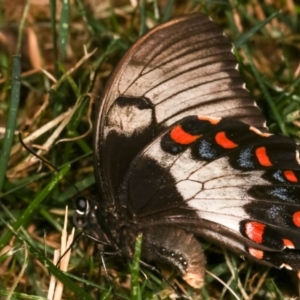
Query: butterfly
(182, 151)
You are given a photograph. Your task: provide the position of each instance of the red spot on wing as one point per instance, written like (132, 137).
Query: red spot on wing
(262, 156)
(223, 141)
(288, 243)
(181, 137)
(296, 218)
(255, 231)
(256, 253)
(290, 176)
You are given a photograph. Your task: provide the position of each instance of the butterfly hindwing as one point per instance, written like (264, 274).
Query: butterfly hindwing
(240, 189)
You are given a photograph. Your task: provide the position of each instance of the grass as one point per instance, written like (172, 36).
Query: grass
(55, 113)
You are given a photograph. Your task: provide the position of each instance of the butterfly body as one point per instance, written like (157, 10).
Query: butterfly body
(181, 151)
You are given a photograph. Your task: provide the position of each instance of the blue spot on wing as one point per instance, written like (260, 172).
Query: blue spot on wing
(275, 212)
(279, 176)
(206, 150)
(284, 194)
(245, 159)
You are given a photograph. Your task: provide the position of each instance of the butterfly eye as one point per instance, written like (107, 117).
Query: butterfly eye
(82, 206)
(82, 210)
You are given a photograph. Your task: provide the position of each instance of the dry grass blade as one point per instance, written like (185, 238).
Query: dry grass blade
(20, 275)
(56, 287)
(224, 284)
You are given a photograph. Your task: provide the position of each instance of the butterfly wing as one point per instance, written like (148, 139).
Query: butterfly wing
(224, 180)
(182, 67)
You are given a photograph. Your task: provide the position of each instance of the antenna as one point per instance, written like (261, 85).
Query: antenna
(30, 150)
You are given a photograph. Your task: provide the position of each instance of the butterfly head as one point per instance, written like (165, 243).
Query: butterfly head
(82, 206)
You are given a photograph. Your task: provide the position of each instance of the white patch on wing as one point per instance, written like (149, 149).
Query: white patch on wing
(225, 194)
(155, 152)
(188, 188)
(228, 213)
(241, 179)
(215, 190)
(127, 120)
(185, 165)
(219, 173)
(215, 169)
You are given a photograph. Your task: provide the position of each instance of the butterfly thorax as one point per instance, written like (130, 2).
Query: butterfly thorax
(111, 225)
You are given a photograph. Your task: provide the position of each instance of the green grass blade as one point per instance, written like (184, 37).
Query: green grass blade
(22, 220)
(135, 270)
(60, 275)
(54, 36)
(20, 296)
(64, 28)
(245, 37)
(265, 92)
(168, 10)
(12, 117)
(21, 27)
(142, 9)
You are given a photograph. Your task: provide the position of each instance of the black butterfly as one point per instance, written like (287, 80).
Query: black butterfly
(166, 170)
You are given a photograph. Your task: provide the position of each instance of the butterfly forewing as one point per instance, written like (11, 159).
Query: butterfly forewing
(180, 68)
